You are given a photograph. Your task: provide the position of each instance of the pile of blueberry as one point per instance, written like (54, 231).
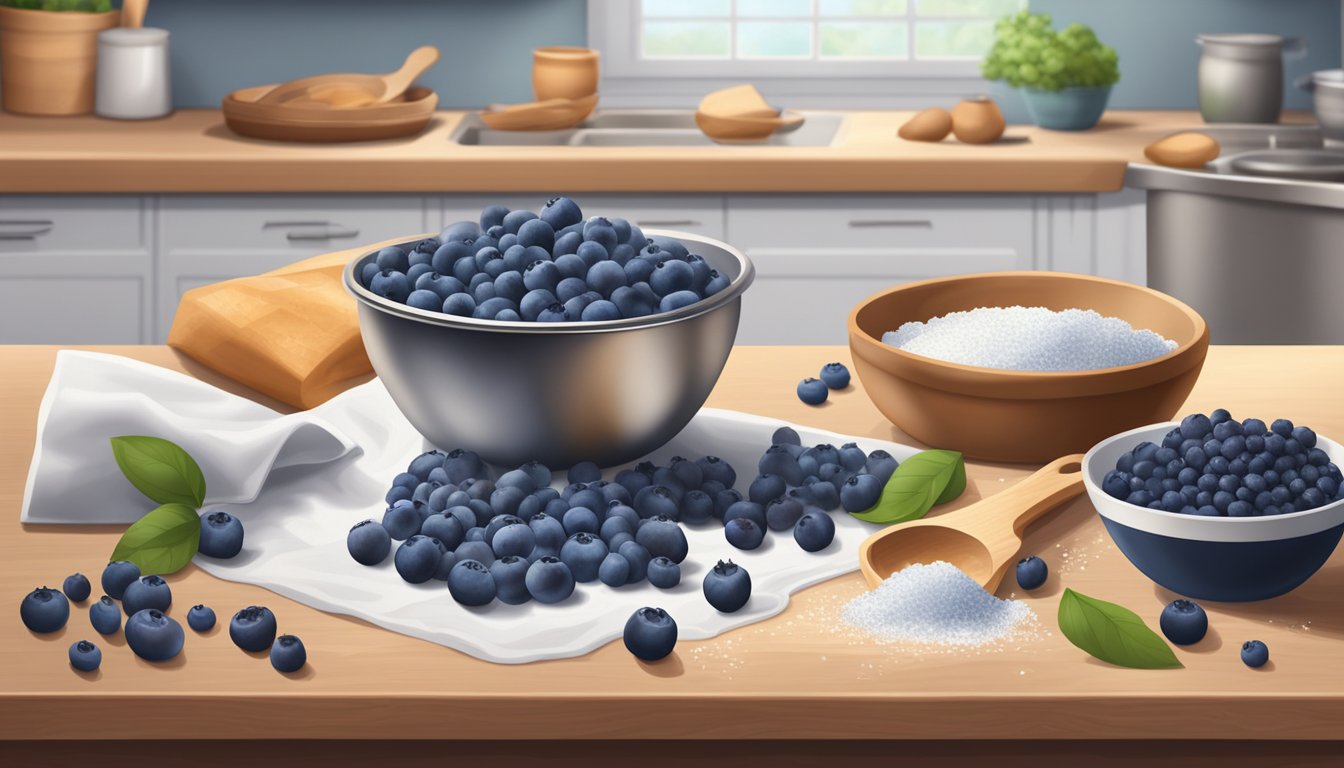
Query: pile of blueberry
(548, 268)
(150, 633)
(1216, 466)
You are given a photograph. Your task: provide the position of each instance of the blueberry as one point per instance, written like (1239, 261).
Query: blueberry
(401, 521)
(614, 525)
(727, 586)
(516, 539)
(583, 553)
(717, 282)
(476, 550)
(674, 301)
(541, 276)
(369, 542)
(288, 654)
(561, 212)
(835, 375)
(461, 230)
(470, 582)
(417, 558)
(650, 634)
(154, 636)
(425, 299)
(392, 258)
(221, 535)
(599, 230)
(252, 628)
(638, 557)
(77, 587)
(860, 492)
(391, 284)
(814, 531)
(459, 304)
(444, 526)
(510, 577)
(671, 276)
(44, 610)
(367, 273)
(697, 507)
(881, 465)
(146, 592)
(547, 531)
(513, 220)
(105, 616)
(201, 618)
(117, 576)
(1031, 572)
(85, 656)
(749, 510)
(743, 533)
(606, 276)
(1254, 653)
(662, 537)
(824, 495)
(549, 580)
(1197, 426)
(1115, 484)
(1184, 622)
(656, 500)
(569, 242)
(584, 472)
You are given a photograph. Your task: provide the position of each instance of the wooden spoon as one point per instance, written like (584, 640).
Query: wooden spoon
(356, 90)
(133, 13)
(982, 539)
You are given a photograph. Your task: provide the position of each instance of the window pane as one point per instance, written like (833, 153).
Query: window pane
(774, 8)
(686, 39)
(774, 39)
(861, 8)
(863, 39)
(953, 39)
(983, 8)
(686, 7)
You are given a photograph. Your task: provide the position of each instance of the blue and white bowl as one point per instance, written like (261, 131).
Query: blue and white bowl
(1227, 559)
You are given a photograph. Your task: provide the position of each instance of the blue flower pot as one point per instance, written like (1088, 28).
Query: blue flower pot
(1072, 109)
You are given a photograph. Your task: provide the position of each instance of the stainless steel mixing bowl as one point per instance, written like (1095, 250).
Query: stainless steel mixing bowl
(559, 393)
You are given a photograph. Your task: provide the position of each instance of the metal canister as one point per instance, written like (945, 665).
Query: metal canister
(1241, 76)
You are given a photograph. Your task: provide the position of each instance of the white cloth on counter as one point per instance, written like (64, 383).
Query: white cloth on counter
(299, 482)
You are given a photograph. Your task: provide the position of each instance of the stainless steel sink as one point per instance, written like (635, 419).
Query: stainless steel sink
(641, 128)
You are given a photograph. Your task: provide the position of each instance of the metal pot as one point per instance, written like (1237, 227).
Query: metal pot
(1241, 76)
(1327, 90)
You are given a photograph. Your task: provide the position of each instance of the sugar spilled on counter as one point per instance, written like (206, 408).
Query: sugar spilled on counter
(936, 605)
(1030, 339)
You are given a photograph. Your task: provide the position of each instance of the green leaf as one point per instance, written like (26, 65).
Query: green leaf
(923, 480)
(1112, 633)
(160, 469)
(163, 541)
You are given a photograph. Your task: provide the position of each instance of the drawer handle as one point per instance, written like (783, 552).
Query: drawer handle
(32, 229)
(323, 234)
(911, 223)
(668, 223)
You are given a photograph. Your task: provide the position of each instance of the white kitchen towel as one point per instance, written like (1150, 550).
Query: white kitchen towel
(298, 482)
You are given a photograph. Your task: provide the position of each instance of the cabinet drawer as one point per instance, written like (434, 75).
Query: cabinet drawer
(699, 214)
(881, 221)
(74, 224)
(91, 309)
(301, 226)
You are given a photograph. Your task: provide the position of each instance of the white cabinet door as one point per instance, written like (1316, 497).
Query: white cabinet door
(209, 238)
(75, 269)
(698, 214)
(818, 256)
(1103, 235)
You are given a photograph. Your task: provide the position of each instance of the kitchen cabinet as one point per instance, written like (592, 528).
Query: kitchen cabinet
(76, 269)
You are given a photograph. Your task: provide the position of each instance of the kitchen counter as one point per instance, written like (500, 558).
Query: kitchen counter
(799, 675)
(192, 151)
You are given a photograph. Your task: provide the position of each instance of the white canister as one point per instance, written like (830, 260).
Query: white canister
(132, 78)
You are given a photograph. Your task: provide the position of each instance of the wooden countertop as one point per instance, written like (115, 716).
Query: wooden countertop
(192, 151)
(798, 675)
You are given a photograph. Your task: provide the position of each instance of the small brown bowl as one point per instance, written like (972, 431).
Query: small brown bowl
(296, 122)
(1023, 416)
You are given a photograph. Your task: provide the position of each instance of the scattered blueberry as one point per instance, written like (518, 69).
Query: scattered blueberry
(743, 533)
(812, 391)
(252, 628)
(154, 636)
(1254, 653)
(835, 375)
(727, 586)
(860, 492)
(147, 592)
(221, 535)
(614, 571)
(549, 580)
(44, 610)
(201, 618)
(368, 542)
(1031, 572)
(664, 573)
(650, 634)
(117, 576)
(85, 656)
(77, 587)
(288, 654)
(105, 616)
(814, 531)
(1184, 622)
(417, 559)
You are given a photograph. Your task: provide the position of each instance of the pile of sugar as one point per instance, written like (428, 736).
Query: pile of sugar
(1030, 339)
(935, 604)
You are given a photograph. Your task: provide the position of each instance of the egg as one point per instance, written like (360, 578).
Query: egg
(977, 120)
(1183, 150)
(930, 125)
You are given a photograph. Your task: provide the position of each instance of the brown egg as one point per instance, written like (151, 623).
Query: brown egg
(1183, 150)
(977, 120)
(930, 125)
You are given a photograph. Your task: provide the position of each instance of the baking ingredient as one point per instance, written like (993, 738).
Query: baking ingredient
(639, 559)
(655, 501)
(105, 616)
(85, 656)
(1029, 53)
(583, 553)
(1254, 654)
(154, 636)
(368, 542)
(1030, 339)
(932, 124)
(925, 480)
(76, 587)
(580, 520)
(860, 492)
(221, 535)
(147, 592)
(783, 513)
(201, 618)
(514, 538)
(743, 533)
(814, 531)
(836, 375)
(749, 510)
(117, 576)
(881, 465)
(1031, 572)
(163, 541)
(253, 628)
(510, 576)
(727, 586)
(417, 559)
(288, 654)
(44, 610)
(935, 604)
(1112, 633)
(1183, 150)
(614, 571)
(402, 520)
(470, 583)
(1184, 622)
(812, 391)
(767, 487)
(664, 573)
(650, 634)
(977, 120)
(475, 549)
(663, 538)
(549, 580)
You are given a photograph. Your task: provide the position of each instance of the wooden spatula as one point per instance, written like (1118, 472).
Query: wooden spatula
(356, 90)
(133, 13)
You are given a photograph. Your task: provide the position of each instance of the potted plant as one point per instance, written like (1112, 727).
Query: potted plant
(48, 53)
(1065, 76)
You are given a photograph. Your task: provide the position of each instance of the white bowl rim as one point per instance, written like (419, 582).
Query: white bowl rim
(1194, 527)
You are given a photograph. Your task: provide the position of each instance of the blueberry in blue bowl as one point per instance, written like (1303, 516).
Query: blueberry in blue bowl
(1208, 553)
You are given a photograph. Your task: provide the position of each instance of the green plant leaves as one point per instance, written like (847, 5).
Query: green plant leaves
(920, 482)
(160, 469)
(163, 541)
(1112, 633)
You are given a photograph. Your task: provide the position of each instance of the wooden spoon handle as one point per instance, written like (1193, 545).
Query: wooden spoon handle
(417, 62)
(133, 13)
(1042, 491)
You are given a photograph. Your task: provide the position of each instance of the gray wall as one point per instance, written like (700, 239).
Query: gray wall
(220, 45)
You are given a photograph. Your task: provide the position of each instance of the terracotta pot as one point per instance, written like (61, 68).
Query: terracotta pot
(564, 72)
(48, 59)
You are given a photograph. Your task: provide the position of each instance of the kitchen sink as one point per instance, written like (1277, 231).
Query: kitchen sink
(641, 128)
